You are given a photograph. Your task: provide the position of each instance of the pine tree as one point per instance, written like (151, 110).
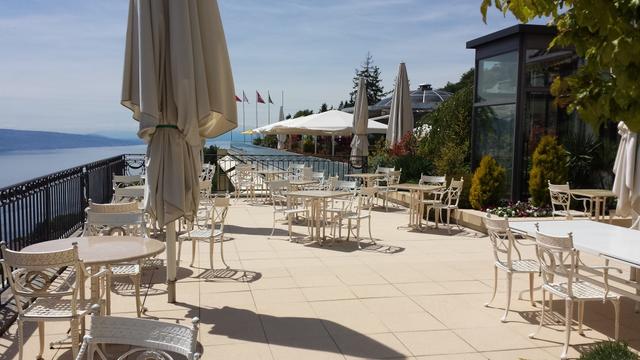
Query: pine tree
(341, 106)
(324, 107)
(371, 74)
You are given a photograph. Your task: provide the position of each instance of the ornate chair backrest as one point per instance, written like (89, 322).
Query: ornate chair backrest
(151, 339)
(454, 191)
(244, 173)
(366, 198)
(560, 195)
(393, 177)
(122, 207)
(350, 186)
(319, 177)
(433, 180)
(276, 191)
(219, 213)
(208, 170)
(36, 274)
(126, 180)
(384, 170)
(307, 173)
(332, 183)
(205, 189)
(112, 223)
(557, 258)
(502, 239)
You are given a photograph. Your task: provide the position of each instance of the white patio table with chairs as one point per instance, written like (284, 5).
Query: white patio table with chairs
(318, 200)
(416, 193)
(559, 244)
(597, 199)
(367, 179)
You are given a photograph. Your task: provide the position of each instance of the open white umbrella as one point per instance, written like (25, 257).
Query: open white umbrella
(282, 138)
(401, 113)
(360, 142)
(626, 184)
(178, 83)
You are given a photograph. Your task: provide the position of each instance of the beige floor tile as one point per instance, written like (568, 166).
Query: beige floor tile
(377, 346)
(495, 338)
(398, 322)
(277, 295)
(238, 351)
(391, 305)
(421, 288)
(525, 354)
(468, 356)
(322, 348)
(433, 342)
(465, 287)
(455, 312)
(340, 292)
(375, 291)
(274, 283)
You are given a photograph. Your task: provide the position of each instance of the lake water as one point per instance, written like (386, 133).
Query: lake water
(20, 166)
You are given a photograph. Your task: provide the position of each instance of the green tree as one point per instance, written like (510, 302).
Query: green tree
(605, 33)
(549, 163)
(466, 80)
(371, 74)
(324, 107)
(487, 184)
(304, 112)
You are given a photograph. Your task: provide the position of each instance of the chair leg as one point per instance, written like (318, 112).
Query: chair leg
(273, 228)
(544, 305)
(371, 236)
(495, 285)
(212, 242)
(107, 292)
(616, 309)
(533, 303)
(358, 233)
(41, 336)
(580, 317)
(179, 251)
(137, 279)
(224, 262)
(509, 285)
(568, 305)
(75, 344)
(448, 221)
(20, 338)
(194, 244)
(289, 226)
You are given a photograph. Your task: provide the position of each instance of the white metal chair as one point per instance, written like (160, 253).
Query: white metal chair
(295, 171)
(356, 210)
(102, 219)
(449, 203)
(384, 170)
(51, 294)
(436, 181)
(208, 170)
(331, 184)
(387, 185)
(508, 258)
(560, 263)
(148, 339)
(285, 206)
(212, 231)
(245, 180)
(561, 201)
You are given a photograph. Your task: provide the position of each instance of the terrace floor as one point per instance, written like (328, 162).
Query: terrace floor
(415, 296)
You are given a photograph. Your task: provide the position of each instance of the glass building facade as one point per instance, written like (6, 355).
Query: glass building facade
(513, 108)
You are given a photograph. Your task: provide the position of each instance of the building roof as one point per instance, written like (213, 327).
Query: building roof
(422, 98)
(510, 31)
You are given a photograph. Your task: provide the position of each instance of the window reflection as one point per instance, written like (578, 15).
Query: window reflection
(497, 78)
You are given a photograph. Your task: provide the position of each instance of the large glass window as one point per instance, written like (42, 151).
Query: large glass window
(497, 79)
(494, 135)
(542, 66)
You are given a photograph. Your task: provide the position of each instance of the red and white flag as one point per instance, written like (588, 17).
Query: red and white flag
(237, 98)
(244, 97)
(259, 98)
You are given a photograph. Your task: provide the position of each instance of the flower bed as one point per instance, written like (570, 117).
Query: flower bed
(519, 209)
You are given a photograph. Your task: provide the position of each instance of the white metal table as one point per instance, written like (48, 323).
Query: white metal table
(367, 178)
(416, 194)
(597, 196)
(610, 242)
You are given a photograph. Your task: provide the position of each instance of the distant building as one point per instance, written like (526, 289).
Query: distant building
(424, 100)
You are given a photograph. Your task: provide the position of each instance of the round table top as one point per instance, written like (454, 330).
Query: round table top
(103, 250)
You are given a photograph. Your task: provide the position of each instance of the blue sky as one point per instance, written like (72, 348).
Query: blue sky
(61, 63)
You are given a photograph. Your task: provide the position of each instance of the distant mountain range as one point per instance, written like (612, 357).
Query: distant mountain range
(19, 140)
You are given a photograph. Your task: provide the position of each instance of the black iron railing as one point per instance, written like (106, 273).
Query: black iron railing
(331, 166)
(52, 206)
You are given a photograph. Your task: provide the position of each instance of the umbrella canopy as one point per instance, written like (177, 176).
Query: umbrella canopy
(627, 170)
(360, 142)
(178, 83)
(400, 113)
(328, 123)
(282, 138)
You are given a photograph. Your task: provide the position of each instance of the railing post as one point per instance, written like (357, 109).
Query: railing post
(47, 212)
(84, 192)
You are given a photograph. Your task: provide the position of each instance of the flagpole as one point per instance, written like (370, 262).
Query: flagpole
(268, 107)
(256, 111)
(244, 124)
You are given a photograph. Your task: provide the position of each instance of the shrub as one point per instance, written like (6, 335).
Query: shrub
(487, 184)
(549, 163)
(609, 350)
(307, 144)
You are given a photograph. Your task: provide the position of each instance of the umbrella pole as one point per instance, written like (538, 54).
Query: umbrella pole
(333, 145)
(171, 261)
